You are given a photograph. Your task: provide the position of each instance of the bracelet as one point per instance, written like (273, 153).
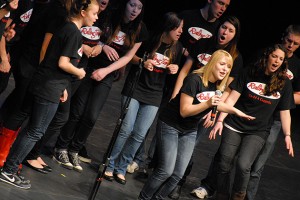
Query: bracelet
(220, 121)
(101, 44)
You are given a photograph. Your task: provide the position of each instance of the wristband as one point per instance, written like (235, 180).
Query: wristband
(101, 44)
(220, 121)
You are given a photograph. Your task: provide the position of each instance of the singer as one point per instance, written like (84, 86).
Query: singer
(178, 122)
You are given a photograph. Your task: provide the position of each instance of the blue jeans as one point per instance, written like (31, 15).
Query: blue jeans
(260, 162)
(136, 123)
(248, 147)
(174, 153)
(42, 113)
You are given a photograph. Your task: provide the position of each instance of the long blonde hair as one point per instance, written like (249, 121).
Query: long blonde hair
(206, 71)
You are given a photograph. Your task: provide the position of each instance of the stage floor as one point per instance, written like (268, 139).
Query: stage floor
(280, 180)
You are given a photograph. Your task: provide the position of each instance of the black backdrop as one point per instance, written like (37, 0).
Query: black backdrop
(262, 21)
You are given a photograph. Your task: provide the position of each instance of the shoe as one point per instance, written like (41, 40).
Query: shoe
(200, 192)
(62, 158)
(75, 161)
(107, 177)
(132, 167)
(47, 168)
(41, 170)
(14, 180)
(175, 194)
(83, 155)
(119, 180)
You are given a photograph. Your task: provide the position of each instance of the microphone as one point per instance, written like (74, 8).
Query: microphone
(214, 109)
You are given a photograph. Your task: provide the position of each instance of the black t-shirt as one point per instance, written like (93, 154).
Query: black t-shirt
(102, 61)
(91, 37)
(201, 55)
(293, 72)
(50, 80)
(46, 18)
(20, 17)
(254, 103)
(195, 27)
(150, 86)
(193, 87)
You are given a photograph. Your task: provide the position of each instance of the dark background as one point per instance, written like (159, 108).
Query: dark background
(262, 22)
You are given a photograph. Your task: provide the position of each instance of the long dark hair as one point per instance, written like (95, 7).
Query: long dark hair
(117, 17)
(277, 79)
(169, 22)
(231, 47)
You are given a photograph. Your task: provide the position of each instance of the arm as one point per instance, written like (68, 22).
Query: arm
(101, 73)
(297, 97)
(65, 64)
(13, 5)
(187, 108)
(285, 118)
(45, 44)
(208, 123)
(4, 65)
(182, 74)
(230, 101)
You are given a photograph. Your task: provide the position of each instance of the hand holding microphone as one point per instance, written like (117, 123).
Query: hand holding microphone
(214, 109)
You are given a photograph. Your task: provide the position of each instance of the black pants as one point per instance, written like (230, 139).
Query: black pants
(86, 106)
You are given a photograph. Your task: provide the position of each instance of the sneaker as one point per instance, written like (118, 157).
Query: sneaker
(62, 158)
(83, 155)
(200, 192)
(75, 161)
(132, 167)
(14, 180)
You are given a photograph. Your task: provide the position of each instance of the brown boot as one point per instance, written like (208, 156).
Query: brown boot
(7, 138)
(238, 196)
(221, 196)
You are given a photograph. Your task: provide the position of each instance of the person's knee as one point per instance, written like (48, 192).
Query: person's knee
(224, 162)
(243, 166)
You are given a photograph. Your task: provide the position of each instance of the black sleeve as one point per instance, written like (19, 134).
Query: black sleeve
(239, 83)
(179, 49)
(237, 67)
(143, 34)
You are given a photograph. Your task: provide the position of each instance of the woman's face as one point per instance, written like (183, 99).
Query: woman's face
(175, 34)
(226, 33)
(133, 9)
(90, 15)
(103, 5)
(221, 69)
(275, 60)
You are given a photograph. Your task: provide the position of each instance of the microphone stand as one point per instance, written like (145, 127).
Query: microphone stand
(106, 157)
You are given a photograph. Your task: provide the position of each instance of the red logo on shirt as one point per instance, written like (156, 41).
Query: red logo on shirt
(203, 58)
(205, 96)
(160, 60)
(258, 88)
(199, 33)
(26, 16)
(119, 38)
(80, 51)
(92, 32)
(290, 74)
